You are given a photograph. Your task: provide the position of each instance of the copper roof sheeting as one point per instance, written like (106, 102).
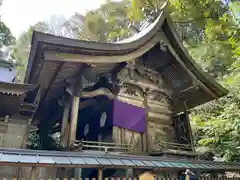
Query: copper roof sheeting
(53, 59)
(39, 158)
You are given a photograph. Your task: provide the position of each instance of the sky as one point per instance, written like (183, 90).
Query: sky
(18, 15)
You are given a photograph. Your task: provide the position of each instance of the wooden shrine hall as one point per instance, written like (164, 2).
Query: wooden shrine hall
(118, 109)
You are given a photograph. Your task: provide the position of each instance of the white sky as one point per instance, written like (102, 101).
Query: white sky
(18, 15)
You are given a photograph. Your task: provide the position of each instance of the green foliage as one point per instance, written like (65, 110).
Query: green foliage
(21, 49)
(48, 141)
(33, 141)
(217, 124)
(210, 30)
(108, 23)
(6, 37)
(217, 127)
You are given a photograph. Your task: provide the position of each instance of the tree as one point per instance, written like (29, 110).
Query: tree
(21, 49)
(6, 37)
(108, 23)
(202, 24)
(210, 31)
(72, 27)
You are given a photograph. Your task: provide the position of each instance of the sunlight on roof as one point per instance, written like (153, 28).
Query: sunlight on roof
(19, 15)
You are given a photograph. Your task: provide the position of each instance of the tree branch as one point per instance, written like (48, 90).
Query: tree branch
(193, 20)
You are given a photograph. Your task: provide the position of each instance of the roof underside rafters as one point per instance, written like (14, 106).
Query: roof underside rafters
(55, 60)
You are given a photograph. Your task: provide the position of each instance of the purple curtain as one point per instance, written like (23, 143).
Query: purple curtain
(129, 116)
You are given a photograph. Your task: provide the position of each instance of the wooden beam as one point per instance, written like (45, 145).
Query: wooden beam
(80, 58)
(87, 103)
(101, 91)
(98, 92)
(52, 80)
(144, 85)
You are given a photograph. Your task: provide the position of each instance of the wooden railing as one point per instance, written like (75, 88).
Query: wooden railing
(173, 148)
(176, 146)
(127, 148)
(31, 106)
(103, 146)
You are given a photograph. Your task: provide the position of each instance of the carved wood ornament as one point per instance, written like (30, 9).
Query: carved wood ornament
(139, 81)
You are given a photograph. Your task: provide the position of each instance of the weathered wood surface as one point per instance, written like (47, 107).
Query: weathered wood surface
(64, 135)
(146, 88)
(74, 119)
(125, 136)
(159, 124)
(132, 139)
(134, 100)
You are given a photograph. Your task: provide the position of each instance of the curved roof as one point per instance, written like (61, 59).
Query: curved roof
(53, 59)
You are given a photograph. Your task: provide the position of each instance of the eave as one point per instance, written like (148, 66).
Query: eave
(12, 96)
(15, 88)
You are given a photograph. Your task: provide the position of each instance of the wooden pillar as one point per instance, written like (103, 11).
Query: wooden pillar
(189, 128)
(74, 118)
(145, 140)
(64, 135)
(77, 90)
(100, 173)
